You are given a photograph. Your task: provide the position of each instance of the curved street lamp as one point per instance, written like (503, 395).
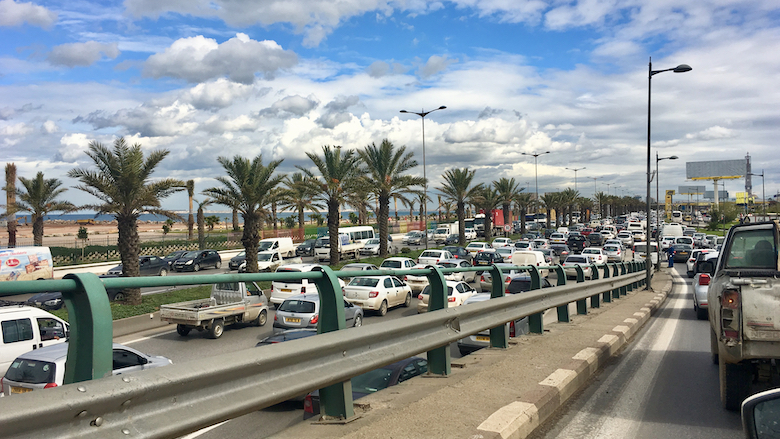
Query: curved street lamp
(682, 68)
(658, 206)
(422, 115)
(536, 172)
(575, 175)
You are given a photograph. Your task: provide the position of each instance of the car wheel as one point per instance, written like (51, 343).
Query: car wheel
(382, 308)
(408, 300)
(464, 352)
(262, 318)
(734, 384)
(183, 330)
(218, 265)
(701, 314)
(358, 321)
(120, 296)
(216, 329)
(714, 348)
(196, 267)
(163, 272)
(690, 275)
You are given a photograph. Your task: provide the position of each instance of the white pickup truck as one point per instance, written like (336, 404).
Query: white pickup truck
(234, 302)
(347, 249)
(269, 261)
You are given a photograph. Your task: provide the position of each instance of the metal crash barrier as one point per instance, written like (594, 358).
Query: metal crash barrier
(176, 400)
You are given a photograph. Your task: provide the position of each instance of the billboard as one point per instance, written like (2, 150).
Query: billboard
(690, 190)
(718, 169)
(744, 198)
(722, 195)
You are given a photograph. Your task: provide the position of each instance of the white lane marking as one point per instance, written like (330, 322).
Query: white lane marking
(136, 340)
(195, 434)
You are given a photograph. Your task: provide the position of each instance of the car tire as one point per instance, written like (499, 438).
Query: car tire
(216, 329)
(408, 300)
(714, 348)
(382, 308)
(119, 296)
(734, 384)
(196, 267)
(690, 275)
(262, 318)
(218, 265)
(701, 313)
(358, 321)
(163, 272)
(464, 352)
(183, 330)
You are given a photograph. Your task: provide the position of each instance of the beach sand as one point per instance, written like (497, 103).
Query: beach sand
(70, 228)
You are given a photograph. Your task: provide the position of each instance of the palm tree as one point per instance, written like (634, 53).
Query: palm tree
(338, 175)
(39, 198)
(10, 205)
(202, 223)
(487, 198)
(275, 197)
(568, 200)
(524, 201)
(586, 207)
(384, 165)
(602, 199)
(122, 184)
(190, 220)
(360, 198)
(509, 190)
(457, 189)
(247, 188)
(299, 196)
(550, 201)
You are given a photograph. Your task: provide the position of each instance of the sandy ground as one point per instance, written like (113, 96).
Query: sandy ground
(70, 228)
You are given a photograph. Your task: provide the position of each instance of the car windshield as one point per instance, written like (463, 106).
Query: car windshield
(753, 248)
(190, 255)
(611, 248)
(372, 381)
(241, 255)
(301, 306)
(391, 264)
(576, 259)
(430, 254)
(178, 254)
(31, 371)
(264, 245)
(474, 245)
(364, 282)
(372, 241)
(264, 256)
(322, 243)
(590, 251)
(519, 286)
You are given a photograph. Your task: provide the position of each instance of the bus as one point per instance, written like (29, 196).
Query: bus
(677, 216)
(359, 233)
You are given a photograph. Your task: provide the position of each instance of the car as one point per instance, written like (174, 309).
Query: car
(486, 279)
(432, 257)
(398, 263)
(524, 245)
(595, 254)
(501, 242)
(687, 240)
(586, 231)
(616, 242)
(417, 282)
(286, 335)
(372, 382)
(596, 239)
(236, 261)
(465, 276)
(459, 252)
(550, 257)
(405, 238)
(561, 250)
(540, 243)
(452, 238)
(415, 237)
(699, 240)
(378, 293)
(48, 301)
(457, 293)
(682, 252)
(44, 368)
(614, 253)
(357, 266)
(302, 311)
(639, 235)
(521, 283)
(475, 342)
(627, 238)
(710, 241)
(667, 241)
(371, 247)
(487, 258)
(476, 247)
(704, 270)
(572, 261)
(470, 234)
(691, 262)
(171, 257)
(282, 289)
(195, 260)
(578, 242)
(149, 266)
(306, 248)
(506, 253)
(557, 238)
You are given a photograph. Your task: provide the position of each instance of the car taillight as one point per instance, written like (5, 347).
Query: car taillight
(276, 318)
(420, 297)
(507, 291)
(450, 299)
(272, 287)
(406, 278)
(373, 294)
(730, 299)
(50, 385)
(307, 404)
(512, 328)
(314, 319)
(704, 279)
(507, 279)
(482, 278)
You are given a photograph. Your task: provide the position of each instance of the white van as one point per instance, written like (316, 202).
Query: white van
(26, 328)
(283, 289)
(672, 230)
(26, 263)
(530, 257)
(359, 234)
(284, 246)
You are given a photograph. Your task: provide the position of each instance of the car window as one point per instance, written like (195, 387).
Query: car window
(391, 264)
(301, 306)
(364, 282)
(50, 329)
(31, 371)
(17, 330)
(372, 381)
(397, 282)
(410, 371)
(388, 283)
(460, 288)
(752, 248)
(123, 358)
(253, 290)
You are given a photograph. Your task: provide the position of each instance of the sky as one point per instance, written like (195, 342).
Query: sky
(204, 79)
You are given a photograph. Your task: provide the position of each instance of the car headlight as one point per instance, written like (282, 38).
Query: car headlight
(188, 262)
(53, 302)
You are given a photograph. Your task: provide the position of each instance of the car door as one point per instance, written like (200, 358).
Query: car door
(403, 290)
(390, 292)
(470, 274)
(349, 313)
(126, 361)
(18, 338)
(145, 265)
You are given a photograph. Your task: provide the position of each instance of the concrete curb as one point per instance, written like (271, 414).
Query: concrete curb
(136, 324)
(520, 418)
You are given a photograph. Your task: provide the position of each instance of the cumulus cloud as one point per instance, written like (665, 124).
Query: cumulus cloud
(713, 133)
(72, 146)
(290, 106)
(378, 69)
(434, 65)
(335, 112)
(15, 14)
(19, 129)
(217, 94)
(199, 59)
(146, 120)
(6, 113)
(81, 54)
(49, 127)
(216, 125)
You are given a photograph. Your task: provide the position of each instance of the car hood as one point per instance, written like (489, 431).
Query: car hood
(43, 297)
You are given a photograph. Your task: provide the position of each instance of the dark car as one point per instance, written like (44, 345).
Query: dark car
(452, 238)
(195, 260)
(522, 282)
(459, 252)
(149, 266)
(287, 335)
(596, 239)
(306, 248)
(237, 260)
(548, 233)
(373, 381)
(173, 256)
(487, 258)
(49, 300)
(682, 252)
(577, 242)
(561, 250)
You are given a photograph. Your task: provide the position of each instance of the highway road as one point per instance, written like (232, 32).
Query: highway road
(663, 386)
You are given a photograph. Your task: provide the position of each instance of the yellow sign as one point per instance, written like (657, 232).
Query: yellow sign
(668, 207)
(744, 198)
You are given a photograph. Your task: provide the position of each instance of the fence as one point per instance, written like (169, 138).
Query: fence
(182, 398)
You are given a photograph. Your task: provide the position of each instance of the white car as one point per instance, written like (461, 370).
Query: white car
(614, 253)
(398, 263)
(639, 236)
(541, 243)
(572, 261)
(701, 284)
(557, 238)
(378, 293)
(415, 282)
(457, 293)
(525, 245)
(283, 289)
(691, 262)
(371, 247)
(506, 253)
(501, 242)
(476, 247)
(465, 276)
(595, 254)
(432, 257)
(666, 241)
(626, 238)
(470, 234)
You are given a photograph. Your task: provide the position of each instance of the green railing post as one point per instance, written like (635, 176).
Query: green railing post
(607, 296)
(336, 399)
(594, 299)
(499, 336)
(439, 359)
(536, 321)
(582, 304)
(563, 310)
(90, 353)
(624, 270)
(615, 273)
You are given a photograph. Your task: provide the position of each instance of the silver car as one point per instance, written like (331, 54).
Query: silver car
(481, 340)
(303, 311)
(704, 269)
(44, 368)
(486, 280)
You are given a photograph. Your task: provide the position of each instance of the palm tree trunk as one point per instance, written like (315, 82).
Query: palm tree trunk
(10, 205)
(300, 217)
(507, 213)
(273, 214)
(128, 245)
(523, 212)
(333, 230)
(549, 211)
(201, 229)
(235, 220)
(488, 226)
(250, 239)
(190, 218)
(37, 230)
(461, 224)
(384, 212)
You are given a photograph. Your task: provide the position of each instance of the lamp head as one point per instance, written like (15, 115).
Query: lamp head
(404, 111)
(674, 157)
(682, 68)
(443, 107)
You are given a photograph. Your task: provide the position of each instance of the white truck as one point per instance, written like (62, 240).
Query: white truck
(284, 246)
(347, 249)
(269, 261)
(233, 302)
(444, 230)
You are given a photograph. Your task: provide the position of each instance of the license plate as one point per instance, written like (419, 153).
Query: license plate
(483, 338)
(20, 389)
(286, 290)
(292, 320)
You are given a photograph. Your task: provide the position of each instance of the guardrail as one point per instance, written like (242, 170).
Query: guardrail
(182, 398)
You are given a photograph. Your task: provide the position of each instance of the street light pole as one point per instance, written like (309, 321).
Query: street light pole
(422, 115)
(763, 194)
(536, 171)
(575, 175)
(682, 68)
(657, 208)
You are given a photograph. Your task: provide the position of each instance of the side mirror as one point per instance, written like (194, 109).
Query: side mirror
(760, 413)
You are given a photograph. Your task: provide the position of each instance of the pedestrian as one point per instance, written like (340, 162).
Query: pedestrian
(671, 252)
